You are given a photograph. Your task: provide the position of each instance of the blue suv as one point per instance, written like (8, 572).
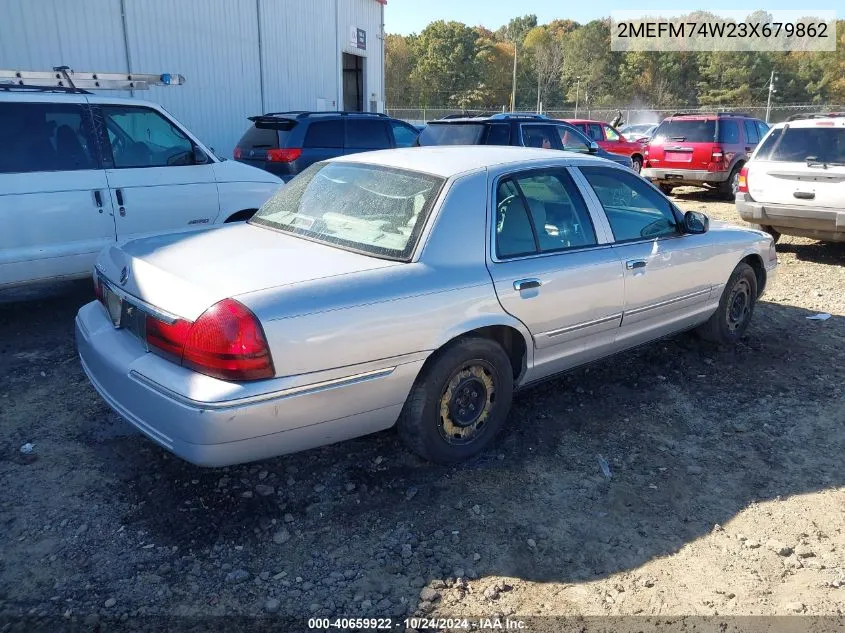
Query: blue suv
(514, 128)
(285, 143)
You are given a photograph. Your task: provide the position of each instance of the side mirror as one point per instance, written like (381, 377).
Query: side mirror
(696, 222)
(594, 147)
(200, 157)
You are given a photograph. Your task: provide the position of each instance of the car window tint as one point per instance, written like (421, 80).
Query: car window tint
(499, 134)
(538, 136)
(141, 137)
(324, 134)
(452, 134)
(728, 131)
(762, 128)
(558, 212)
(807, 144)
(686, 130)
(45, 137)
(751, 136)
(514, 235)
(571, 140)
(768, 144)
(366, 134)
(610, 133)
(634, 209)
(594, 131)
(403, 134)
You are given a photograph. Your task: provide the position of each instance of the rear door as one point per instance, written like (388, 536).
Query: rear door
(801, 165)
(55, 211)
(552, 267)
(367, 134)
(685, 143)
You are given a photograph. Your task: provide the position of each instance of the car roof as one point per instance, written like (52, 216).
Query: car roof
(70, 97)
(584, 121)
(837, 121)
(450, 160)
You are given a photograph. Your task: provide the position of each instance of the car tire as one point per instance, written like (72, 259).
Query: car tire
(459, 401)
(736, 307)
(772, 231)
(666, 189)
(637, 164)
(729, 187)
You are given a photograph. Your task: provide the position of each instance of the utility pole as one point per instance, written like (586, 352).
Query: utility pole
(538, 93)
(513, 90)
(577, 86)
(771, 91)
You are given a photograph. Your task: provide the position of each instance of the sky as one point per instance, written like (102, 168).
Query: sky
(412, 16)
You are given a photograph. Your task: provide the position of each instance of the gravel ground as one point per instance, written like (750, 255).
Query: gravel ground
(726, 495)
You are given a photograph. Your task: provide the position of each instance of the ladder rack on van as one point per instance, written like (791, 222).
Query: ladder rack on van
(65, 77)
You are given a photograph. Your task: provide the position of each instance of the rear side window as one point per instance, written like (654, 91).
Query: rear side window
(751, 136)
(324, 134)
(810, 144)
(45, 137)
(728, 132)
(366, 134)
(499, 134)
(686, 131)
(543, 136)
(452, 134)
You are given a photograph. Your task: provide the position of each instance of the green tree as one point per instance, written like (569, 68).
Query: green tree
(447, 62)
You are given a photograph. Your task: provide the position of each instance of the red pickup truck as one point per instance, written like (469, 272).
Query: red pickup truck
(610, 140)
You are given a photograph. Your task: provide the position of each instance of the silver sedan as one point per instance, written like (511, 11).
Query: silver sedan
(416, 288)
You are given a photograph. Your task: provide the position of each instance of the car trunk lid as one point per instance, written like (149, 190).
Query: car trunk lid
(184, 274)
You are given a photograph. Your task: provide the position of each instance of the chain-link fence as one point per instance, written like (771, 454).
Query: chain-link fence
(629, 115)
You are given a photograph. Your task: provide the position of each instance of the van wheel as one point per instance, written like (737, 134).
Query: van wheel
(736, 307)
(459, 402)
(667, 189)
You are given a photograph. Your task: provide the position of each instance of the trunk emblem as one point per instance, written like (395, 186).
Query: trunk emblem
(124, 275)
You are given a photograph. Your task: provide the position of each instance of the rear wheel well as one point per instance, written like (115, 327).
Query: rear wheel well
(637, 155)
(756, 263)
(509, 338)
(241, 216)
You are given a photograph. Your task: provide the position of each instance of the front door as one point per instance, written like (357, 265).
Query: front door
(55, 213)
(668, 274)
(155, 183)
(553, 270)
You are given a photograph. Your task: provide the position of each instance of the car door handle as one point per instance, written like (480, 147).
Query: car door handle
(526, 284)
(119, 195)
(98, 200)
(804, 195)
(634, 264)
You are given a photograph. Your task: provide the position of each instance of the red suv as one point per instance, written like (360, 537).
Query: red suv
(610, 140)
(703, 150)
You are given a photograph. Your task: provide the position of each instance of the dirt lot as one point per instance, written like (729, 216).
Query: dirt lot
(727, 493)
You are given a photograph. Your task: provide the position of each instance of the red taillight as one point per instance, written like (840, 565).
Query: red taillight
(167, 338)
(717, 155)
(742, 181)
(226, 342)
(285, 155)
(237, 153)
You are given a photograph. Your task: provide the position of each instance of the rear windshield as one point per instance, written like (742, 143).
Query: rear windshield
(687, 131)
(371, 209)
(452, 134)
(267, 135)
(801, 144)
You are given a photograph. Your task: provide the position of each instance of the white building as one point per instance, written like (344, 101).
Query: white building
(239, 57)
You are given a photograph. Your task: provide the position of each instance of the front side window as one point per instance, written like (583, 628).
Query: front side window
(634, 209)
(371, 209)
(45, 137)
(612, 135)
(572, 141)
(541, 211)
(141, 137)
(403, 134)
(541, 136)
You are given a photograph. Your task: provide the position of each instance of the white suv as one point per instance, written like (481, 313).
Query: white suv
(79, 172)
(794, 183)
